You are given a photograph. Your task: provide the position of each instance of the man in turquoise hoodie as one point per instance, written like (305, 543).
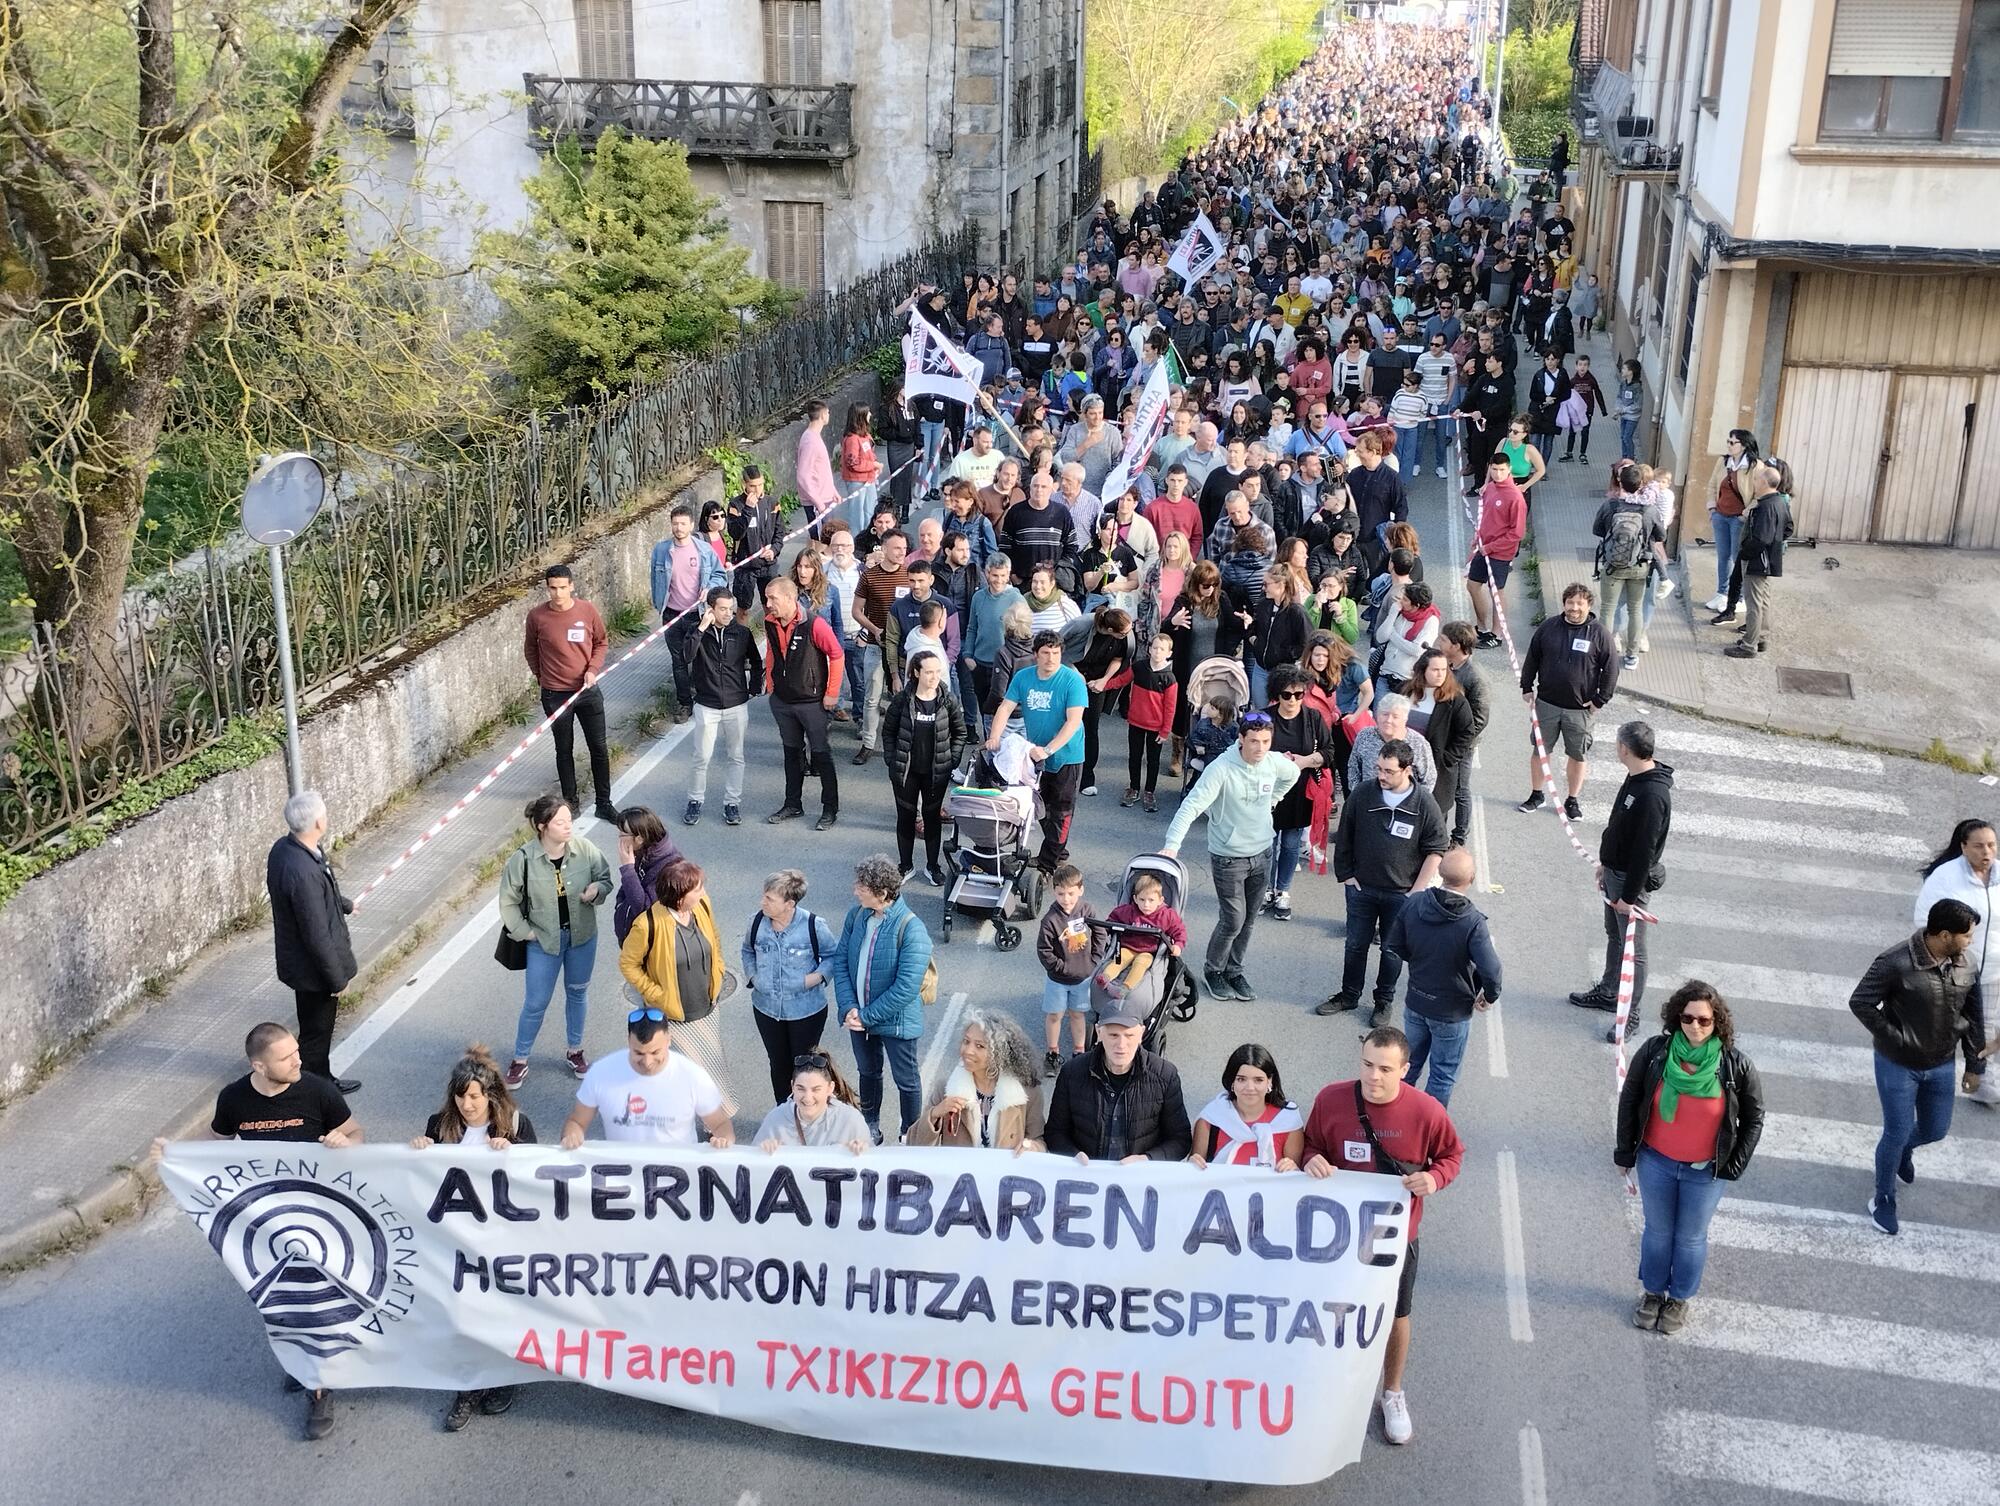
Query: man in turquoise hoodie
(1238, 791)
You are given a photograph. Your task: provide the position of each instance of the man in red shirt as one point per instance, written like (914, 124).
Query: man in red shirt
(1503, 519)
(1174, 511)
(564, 645)
(1379, 1123)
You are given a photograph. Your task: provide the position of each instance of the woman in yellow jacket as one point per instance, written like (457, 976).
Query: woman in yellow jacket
(672, 957)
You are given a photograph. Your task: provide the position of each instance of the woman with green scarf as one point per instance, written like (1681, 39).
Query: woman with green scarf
(1688, 1120)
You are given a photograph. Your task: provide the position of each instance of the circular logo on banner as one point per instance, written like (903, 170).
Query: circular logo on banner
(315, 1261)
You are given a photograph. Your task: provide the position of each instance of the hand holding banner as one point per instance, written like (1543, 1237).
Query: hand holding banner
(1155, 1319)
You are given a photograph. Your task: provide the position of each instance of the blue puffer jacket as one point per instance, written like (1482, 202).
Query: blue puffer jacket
(895, 1004)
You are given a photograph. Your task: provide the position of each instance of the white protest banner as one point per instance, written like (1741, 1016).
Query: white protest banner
(1199, 249)
(1149, 418)
(931, 363)
(1158, 1319)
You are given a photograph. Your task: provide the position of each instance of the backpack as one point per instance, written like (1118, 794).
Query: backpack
(812, 933)
(927, 990)
(1624, 546)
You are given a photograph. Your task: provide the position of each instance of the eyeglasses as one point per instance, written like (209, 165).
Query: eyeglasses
(658, 1016)
(1697, 1019)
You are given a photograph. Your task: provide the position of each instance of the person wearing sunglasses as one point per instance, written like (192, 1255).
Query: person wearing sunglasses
(648, 1094)
(822, 1110)
(1688, 1121)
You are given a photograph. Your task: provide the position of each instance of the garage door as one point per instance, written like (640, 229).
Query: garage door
(1979, 505)
(1920, 477)
(1830, 425)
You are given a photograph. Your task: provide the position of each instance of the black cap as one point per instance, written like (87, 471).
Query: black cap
(1121, 1012)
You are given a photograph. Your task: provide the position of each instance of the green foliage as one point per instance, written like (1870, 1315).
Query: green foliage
(1538, 70)
(624, 269)
(1530, 133)
(729, 460)
(631, 619)
(886, 361)
(241, 744)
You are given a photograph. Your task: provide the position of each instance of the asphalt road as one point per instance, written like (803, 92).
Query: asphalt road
(1824, 1361)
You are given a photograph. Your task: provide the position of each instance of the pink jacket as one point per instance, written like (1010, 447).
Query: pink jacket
(815, 472)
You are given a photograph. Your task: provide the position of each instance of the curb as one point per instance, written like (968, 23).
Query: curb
(1885, 743)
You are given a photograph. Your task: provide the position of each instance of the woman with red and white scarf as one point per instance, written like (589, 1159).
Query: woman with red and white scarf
(1250, 1122)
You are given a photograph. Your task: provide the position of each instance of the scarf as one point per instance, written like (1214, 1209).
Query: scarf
(1223, 1114)
(1690, 1070)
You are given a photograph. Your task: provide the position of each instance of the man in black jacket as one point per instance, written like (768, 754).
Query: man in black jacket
(1920, 1001)
(1117, 1101)
(1458, 640)
(309, 927)
(1571, 670)
(754, 536)
(727, 671)
(1389, 842)
(1628, 862)
(1765, 535)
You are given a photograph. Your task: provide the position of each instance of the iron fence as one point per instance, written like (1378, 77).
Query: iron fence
(196, 648)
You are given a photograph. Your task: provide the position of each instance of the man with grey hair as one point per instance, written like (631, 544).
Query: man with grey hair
(1083, 504)
(1203, 456)
(309, 929)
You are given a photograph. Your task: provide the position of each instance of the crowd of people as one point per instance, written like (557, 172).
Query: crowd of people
(1254, 606)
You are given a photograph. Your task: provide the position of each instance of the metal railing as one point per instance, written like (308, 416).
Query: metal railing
(1089, 183)
(709, 119)
(196, 647)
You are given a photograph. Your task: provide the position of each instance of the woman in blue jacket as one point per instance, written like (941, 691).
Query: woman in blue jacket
(786, 957)
(878, 971)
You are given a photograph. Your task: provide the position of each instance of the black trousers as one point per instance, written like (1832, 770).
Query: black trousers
(588, 713)
(678, 639)
(316, 1014)
(1059, 787)
(784, 1041)
(748, 584)
(911, 798)
(1093, 712)
(903, 489)
(1143, 750)
(802, 728)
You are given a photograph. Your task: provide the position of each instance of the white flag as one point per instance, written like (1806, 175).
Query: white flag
(932, 364)
(1148, 419)
(1199, 249)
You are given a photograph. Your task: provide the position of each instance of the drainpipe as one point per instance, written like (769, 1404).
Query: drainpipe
(1002, 87)
(1684, 199)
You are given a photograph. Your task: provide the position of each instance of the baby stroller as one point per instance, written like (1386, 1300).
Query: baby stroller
(989, 812)
(1212, 677)
(1167, 992)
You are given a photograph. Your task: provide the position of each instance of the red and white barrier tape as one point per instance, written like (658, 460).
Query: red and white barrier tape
(464, 802)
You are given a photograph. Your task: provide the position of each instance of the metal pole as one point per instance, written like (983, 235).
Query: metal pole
(294, 765)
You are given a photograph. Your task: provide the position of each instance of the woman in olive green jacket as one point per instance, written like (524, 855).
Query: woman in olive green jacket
(549, 894)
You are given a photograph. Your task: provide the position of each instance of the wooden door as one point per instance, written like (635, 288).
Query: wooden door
(1830, 426)
(1924, 461)
(1978, 524)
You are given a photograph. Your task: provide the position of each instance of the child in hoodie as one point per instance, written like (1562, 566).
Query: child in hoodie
(1069, 948)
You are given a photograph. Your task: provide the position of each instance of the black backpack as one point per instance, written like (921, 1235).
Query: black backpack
(812, 933)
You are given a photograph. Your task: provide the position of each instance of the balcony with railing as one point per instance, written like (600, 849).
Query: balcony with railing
(710, 119)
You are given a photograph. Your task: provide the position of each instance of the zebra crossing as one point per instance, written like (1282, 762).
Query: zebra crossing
(1823, 1359)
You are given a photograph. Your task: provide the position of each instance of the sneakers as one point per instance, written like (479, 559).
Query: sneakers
(517, 1072)
(826, 820)
(577, 1065)
(863, 755)
(1051, 1063)
(1647, 1313)
(459, 1413)
(1342, 1003)
(1440, 471)
(1594, 998)
(1281, 906)
(1487, 639)
(1378, 1013)
(1152, 803)
(607, 812)
(1396, 1418)
(319, 1415)
(1717, 602)
(1573, 808)
(1722, 618)
(1906, 1169)
(492, 1403)
(1270, 899)
(1218, 986)
(1569, 459)
(1744, 650)
(1673, 1315)
(732, 815)
(1129, 798)
(1090, 790)
(937, 876)
(1632, 661)
(1243, 989)
(1533, 803)
(784, 813)
(692, 814)
(1663, 590)
(1883, 1211)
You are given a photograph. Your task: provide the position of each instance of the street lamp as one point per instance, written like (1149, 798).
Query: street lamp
(280, 500)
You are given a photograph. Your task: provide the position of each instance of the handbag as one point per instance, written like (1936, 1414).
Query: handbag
(509, 953)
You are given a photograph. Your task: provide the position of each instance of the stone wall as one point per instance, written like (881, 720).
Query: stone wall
(82, 939)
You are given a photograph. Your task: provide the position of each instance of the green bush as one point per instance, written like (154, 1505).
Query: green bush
(1538, 71)
(1530, 133)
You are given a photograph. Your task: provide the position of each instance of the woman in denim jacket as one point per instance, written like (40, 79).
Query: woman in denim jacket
(783, 959)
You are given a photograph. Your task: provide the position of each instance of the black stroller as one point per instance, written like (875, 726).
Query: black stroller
(1167, 992)
(990, 812)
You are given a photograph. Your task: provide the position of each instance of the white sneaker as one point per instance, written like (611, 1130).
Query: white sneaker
(1440, 471)
(1988, 1091)
(1716, 602)
(1395, 1417)
(1665, 589)
(1088, 789)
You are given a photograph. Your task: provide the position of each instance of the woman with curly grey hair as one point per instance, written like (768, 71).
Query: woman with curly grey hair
(879, 968)
(993, 1098)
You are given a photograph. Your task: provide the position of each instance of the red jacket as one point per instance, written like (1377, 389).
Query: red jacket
(1150, 708)
(1503, 519)
(1414, 1129)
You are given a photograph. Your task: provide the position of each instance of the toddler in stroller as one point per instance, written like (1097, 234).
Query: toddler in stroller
(1217, 691)
(1161, 988)
(992, 805)
(1148, 912)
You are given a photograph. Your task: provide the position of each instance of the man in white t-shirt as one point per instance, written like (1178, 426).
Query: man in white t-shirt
(648, 1096)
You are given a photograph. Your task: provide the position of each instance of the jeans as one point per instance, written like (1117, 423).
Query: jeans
(1407, 442)
(1142, 757)
(1440, 430)
(1442, 1042)
(1239, 892)
(1576, 435)
(902, 1053)
(1060, 998)
(1285, 857)
(1260, 683)
(731, 723)
(1728, 539)
(934, 433)
(968, 699)
(1645, 617)
(802, 728)
(574, 962)
(919, 796)
(1629, 591)
(1370, 911)
(784, 1042)
(1614, 944)
(588, 713)
(316, 1016)
(1628, 439)
(1679, 1200)
(854, 675)
(1916, 1110)
(678, 642)
(857, 502)
(1461, 806)
(871, 705)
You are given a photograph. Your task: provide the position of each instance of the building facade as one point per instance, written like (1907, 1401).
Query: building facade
(837, 134)
(1786, 204)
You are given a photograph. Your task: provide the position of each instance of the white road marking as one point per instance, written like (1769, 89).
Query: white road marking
(1534, 1475)
(1798, 754)
(1800, 835)
(1804, 875)
(1743, 787)
(1682, 910)
(947, 1034)
(1496, 1043)
(1782, 1056)
(1853, 1239)
(1804, 1336)
(1514, 1252)
(1774, 985)
(1839, 1142)
(1793, 1460)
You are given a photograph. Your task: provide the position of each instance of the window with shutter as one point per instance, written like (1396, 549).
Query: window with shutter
(792, 42)
(795, 244)
(604, 38)
(1911, 70)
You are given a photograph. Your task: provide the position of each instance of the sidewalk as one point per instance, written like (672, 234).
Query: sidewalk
(68, 1149)
(1915, 631)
